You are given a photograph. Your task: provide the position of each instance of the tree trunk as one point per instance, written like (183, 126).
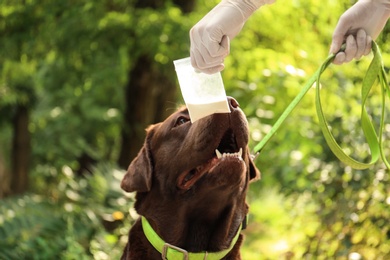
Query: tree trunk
(4, 177)
(149, 95)
(21, 150)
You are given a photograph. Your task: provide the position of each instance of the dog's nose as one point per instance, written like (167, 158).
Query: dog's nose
(233, 103)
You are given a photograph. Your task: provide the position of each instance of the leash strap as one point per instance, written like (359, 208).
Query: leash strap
(375, 73)
(171, 252)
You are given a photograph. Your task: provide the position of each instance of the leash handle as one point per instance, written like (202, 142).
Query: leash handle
(375, 72)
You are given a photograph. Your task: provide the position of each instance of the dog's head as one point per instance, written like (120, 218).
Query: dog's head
(204, 158)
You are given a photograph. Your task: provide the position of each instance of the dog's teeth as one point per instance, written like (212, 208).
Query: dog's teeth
(219, 155)
(225, 155)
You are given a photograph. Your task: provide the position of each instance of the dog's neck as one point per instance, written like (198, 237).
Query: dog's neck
(193, 229)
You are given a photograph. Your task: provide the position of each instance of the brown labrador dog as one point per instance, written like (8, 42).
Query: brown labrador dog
(191, 181)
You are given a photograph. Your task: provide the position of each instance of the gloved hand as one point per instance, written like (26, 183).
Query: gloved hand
(357, 27)
(210, 37)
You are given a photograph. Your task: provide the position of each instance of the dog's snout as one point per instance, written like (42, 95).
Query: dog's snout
(233, 103)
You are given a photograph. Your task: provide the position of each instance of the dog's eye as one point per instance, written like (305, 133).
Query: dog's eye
(181, 120)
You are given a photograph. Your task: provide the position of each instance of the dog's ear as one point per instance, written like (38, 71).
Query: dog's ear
(139, 173)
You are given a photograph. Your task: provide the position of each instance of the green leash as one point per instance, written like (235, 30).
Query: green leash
(375, 72)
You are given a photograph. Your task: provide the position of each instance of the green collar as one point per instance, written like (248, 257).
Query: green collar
(171, 252)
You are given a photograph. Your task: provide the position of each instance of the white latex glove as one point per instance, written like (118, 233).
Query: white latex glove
(357, 27)
(210, 37)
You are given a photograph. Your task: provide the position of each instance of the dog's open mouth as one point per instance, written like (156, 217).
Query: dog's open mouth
(227, 151)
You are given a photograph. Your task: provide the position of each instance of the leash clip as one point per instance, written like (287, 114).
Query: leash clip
(167, 246)
(255, 155)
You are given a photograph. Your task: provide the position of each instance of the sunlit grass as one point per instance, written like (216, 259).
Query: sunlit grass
(278, 225)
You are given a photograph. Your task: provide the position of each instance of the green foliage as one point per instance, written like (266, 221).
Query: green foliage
(17, 85)
(75, 59)
(82, 218)
(335, 218)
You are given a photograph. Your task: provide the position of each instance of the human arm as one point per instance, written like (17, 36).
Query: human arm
(210, 37)
(357, 27)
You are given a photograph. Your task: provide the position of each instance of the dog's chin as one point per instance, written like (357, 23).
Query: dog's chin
(217, 172)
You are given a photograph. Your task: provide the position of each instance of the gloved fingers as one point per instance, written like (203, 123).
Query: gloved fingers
(213, 70)
(337, 39)
(208, 57)
(336, 45)
(368, 45)
(199, 64)
(202, 60)
(196, 59)
(354, 49)
(217, 51)
(339, 58)
(361, 43)
(351, 48)
(349, 53)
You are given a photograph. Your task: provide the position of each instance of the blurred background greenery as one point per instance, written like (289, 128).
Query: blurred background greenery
(81, 80)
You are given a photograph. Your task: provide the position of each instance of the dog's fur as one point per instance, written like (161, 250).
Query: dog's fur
(192, 199)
